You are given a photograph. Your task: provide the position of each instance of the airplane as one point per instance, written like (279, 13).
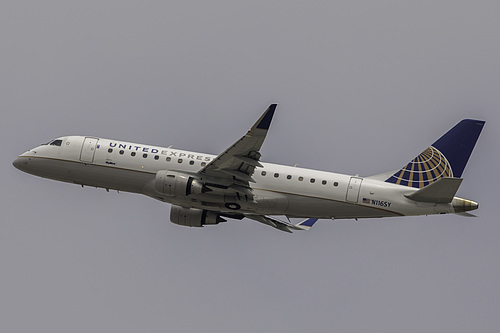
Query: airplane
(205, 189)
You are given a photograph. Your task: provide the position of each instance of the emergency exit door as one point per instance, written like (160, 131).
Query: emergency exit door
(88, 150)
(353, 189)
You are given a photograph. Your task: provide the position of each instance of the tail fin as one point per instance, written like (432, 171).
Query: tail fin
(446, 157)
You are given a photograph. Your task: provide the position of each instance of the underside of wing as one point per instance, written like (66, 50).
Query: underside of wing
(282, 225)
(237, 164)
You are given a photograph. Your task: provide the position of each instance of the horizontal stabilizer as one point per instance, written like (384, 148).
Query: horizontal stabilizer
(441, 191)
(466, 214)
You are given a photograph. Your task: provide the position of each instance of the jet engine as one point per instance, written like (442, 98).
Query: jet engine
(193, 217)
(173, 183)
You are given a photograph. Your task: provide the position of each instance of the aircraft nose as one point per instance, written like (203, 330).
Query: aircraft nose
(20, 163)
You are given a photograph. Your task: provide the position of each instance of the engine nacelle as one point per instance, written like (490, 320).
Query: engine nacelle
(193, 217)
(173, 183)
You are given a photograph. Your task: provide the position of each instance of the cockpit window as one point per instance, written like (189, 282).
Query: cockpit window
(56, 143)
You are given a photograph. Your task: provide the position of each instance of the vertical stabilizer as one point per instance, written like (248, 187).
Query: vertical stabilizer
(447, 157)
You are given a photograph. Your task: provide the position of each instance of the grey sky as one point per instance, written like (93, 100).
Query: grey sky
(363, 87)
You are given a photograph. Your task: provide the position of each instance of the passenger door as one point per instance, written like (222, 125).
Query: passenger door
(88, 150)
(353, 189)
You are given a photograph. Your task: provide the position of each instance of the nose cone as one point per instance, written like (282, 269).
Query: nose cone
(20, 163)
(23, 163)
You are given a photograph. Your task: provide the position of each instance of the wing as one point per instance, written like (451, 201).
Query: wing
(237, 164)
(283, 225)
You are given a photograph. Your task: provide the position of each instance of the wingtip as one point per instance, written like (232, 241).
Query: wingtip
(306, 224)
(265, 121)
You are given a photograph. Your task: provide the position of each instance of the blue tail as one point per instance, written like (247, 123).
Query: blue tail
(446, 157)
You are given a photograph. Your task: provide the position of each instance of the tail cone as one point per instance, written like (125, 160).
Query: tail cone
(464, 205)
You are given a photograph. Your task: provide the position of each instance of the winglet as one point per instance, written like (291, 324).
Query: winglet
(306, 224)
(264, 121)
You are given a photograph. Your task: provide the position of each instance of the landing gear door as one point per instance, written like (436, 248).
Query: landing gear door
(353, 189)
(88, 150)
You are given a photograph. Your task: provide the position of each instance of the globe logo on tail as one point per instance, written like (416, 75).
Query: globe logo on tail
(424, 169)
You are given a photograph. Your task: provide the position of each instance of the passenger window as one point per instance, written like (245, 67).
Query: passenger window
(313, 180)
(276, 175)
(56, 143)
(157, 157)
(301, 179)
(203, 164)
(263, 173)
(144, 155)
(169, 159)
(110, 150)
(191, 162)
(121, 152)
(323, 182)
(289, 177)
(179, 160)
(132, 153)
(336, 184)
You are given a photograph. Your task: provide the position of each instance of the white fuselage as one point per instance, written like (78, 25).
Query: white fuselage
(278, 189)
